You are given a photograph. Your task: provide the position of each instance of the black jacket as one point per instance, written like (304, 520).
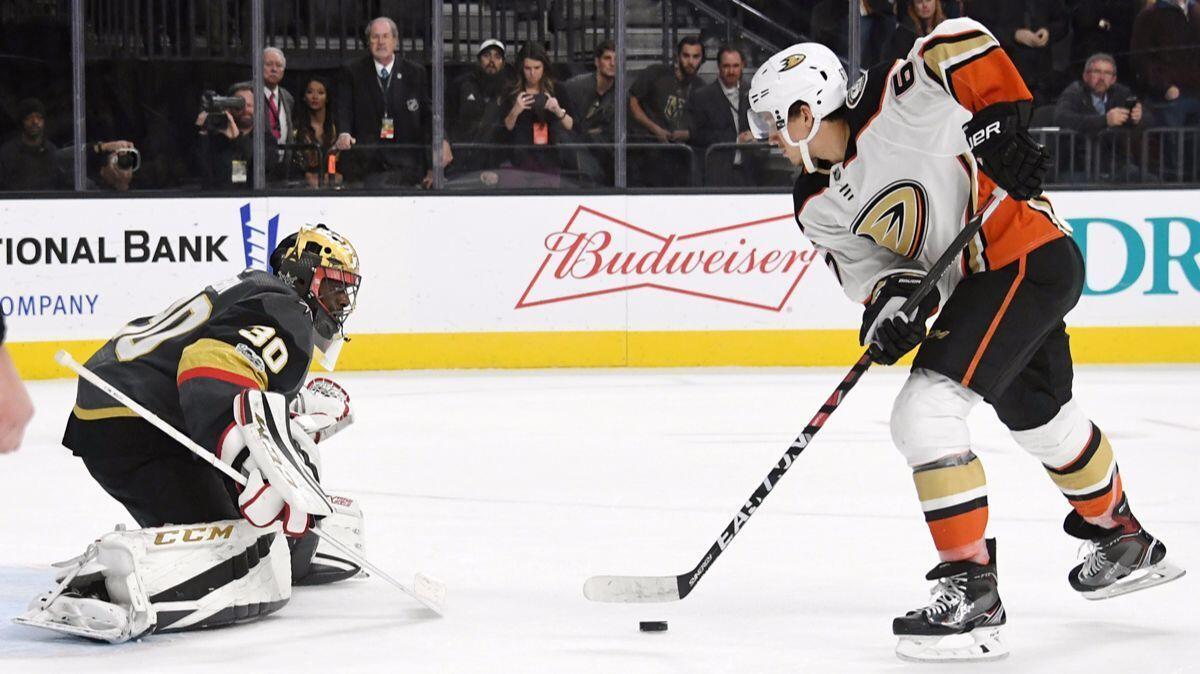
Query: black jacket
(1074, 109)
(712, 122)
(216, 154)
(362, 106)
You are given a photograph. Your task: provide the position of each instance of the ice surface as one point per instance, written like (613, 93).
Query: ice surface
(514, 487)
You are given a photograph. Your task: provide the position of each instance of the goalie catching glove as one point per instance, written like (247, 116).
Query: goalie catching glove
(999, 138)
(322, 409)
(889, 332)
(280, 462)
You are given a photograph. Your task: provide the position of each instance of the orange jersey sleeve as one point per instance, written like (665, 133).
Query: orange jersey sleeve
(967, 61)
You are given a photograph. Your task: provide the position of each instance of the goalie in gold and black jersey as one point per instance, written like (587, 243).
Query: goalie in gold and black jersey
(188, 365)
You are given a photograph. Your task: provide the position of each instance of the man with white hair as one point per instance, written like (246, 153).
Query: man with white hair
(385, 100)
(277, 100)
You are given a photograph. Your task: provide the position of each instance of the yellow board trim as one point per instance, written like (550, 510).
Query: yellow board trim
(753, 348)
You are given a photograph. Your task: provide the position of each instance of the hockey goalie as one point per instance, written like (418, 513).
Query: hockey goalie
(227, 367)
(894, 168)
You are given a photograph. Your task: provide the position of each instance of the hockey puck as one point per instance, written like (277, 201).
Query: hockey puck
(653, 626)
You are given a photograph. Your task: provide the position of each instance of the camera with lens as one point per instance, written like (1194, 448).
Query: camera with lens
(127, 159)
(216, 106)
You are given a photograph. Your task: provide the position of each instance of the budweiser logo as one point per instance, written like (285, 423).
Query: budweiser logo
(753, 264)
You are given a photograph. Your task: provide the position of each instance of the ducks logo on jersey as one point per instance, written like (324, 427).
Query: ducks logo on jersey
(896, 218)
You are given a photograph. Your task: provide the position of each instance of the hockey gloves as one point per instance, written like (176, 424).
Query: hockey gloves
(890, 333)
(322, 409)
(281, 464)
(1010, 156)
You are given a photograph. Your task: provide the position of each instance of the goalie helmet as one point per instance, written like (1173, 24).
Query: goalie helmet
(322, 267)
(807, 72)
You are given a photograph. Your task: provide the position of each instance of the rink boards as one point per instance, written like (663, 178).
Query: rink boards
(559, 281)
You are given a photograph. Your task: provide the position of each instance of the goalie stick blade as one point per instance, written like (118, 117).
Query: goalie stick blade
(632, 589)
(430, 592)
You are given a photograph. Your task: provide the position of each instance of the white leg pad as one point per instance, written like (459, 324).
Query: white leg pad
(929, 417)
(1057, 442)
(168, 578)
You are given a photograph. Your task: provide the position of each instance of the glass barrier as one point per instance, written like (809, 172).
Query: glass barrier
(37, 123)
(522, 94)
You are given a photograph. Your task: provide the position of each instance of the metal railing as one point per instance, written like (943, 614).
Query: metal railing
(1122, 156)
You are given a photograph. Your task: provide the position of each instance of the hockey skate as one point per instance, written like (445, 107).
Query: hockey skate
(1120, 560)
(963, 621)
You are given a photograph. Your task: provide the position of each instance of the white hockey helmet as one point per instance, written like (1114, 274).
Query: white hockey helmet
(808, 72)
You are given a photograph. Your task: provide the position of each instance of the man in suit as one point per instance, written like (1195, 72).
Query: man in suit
(718, 113)
(277, 101)
(384, 100)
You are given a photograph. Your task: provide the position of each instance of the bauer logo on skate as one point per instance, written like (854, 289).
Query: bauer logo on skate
(756, 264)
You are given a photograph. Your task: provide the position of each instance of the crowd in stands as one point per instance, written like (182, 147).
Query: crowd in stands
(515, 119)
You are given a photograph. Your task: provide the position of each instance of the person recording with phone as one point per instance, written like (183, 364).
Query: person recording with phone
(1098, 103)
(536, 119)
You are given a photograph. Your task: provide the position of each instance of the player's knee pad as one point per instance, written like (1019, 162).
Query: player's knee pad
(130, 583)
(315, 561)
(1058, 441)
(929, 417)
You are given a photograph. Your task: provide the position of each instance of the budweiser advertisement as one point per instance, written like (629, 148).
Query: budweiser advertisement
(756, 263)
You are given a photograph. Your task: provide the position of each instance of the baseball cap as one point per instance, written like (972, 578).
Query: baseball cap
(488, 44)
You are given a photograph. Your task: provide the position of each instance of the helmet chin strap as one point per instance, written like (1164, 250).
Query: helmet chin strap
(809, 165)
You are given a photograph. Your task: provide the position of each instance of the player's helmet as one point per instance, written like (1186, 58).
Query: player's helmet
(807, 72)
(322, 267)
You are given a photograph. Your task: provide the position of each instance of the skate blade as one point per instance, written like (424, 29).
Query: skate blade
(977, 645)
(1163, 572)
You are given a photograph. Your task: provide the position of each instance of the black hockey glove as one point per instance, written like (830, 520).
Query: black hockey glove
(997, 135)
(890, 333)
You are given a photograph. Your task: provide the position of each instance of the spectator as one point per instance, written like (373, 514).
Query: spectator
(384, 100)
(315, 128)
(15, 407)
(29, 162)
(536, 118)
(1098, 103)
(1103, 26)
(591, 97)
(718, 114)
(1164, 47)
(226, 150)
(658, 105)
(920, 18)
(279, 101)
(111, 164)
(476, 111)
(1027, 29)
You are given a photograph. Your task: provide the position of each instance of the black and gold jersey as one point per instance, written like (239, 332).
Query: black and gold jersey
(188, 362)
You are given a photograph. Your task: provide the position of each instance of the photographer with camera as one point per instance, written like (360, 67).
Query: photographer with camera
(225, 147)
(536, 118)
(113, 164)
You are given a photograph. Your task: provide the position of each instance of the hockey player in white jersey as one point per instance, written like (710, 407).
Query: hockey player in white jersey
(894, 168)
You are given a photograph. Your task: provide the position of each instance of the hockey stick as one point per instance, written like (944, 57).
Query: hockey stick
(428, 591)
(640, 589)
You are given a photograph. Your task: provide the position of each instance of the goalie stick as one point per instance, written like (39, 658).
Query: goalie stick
(645, 589)
(430, 592)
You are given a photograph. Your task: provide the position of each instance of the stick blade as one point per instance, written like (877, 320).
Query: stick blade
(632, 589)
(430, 592)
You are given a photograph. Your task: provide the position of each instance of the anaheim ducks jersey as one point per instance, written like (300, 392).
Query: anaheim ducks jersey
(187, 363)
(908, 183)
